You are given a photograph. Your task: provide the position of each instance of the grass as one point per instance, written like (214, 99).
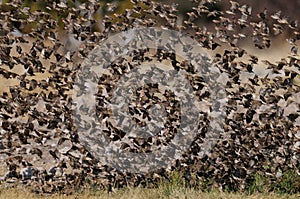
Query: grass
(137, 193)
(262, 188)
(288, 183)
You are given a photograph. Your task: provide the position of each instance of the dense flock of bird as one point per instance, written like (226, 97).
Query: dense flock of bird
(41, 50)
